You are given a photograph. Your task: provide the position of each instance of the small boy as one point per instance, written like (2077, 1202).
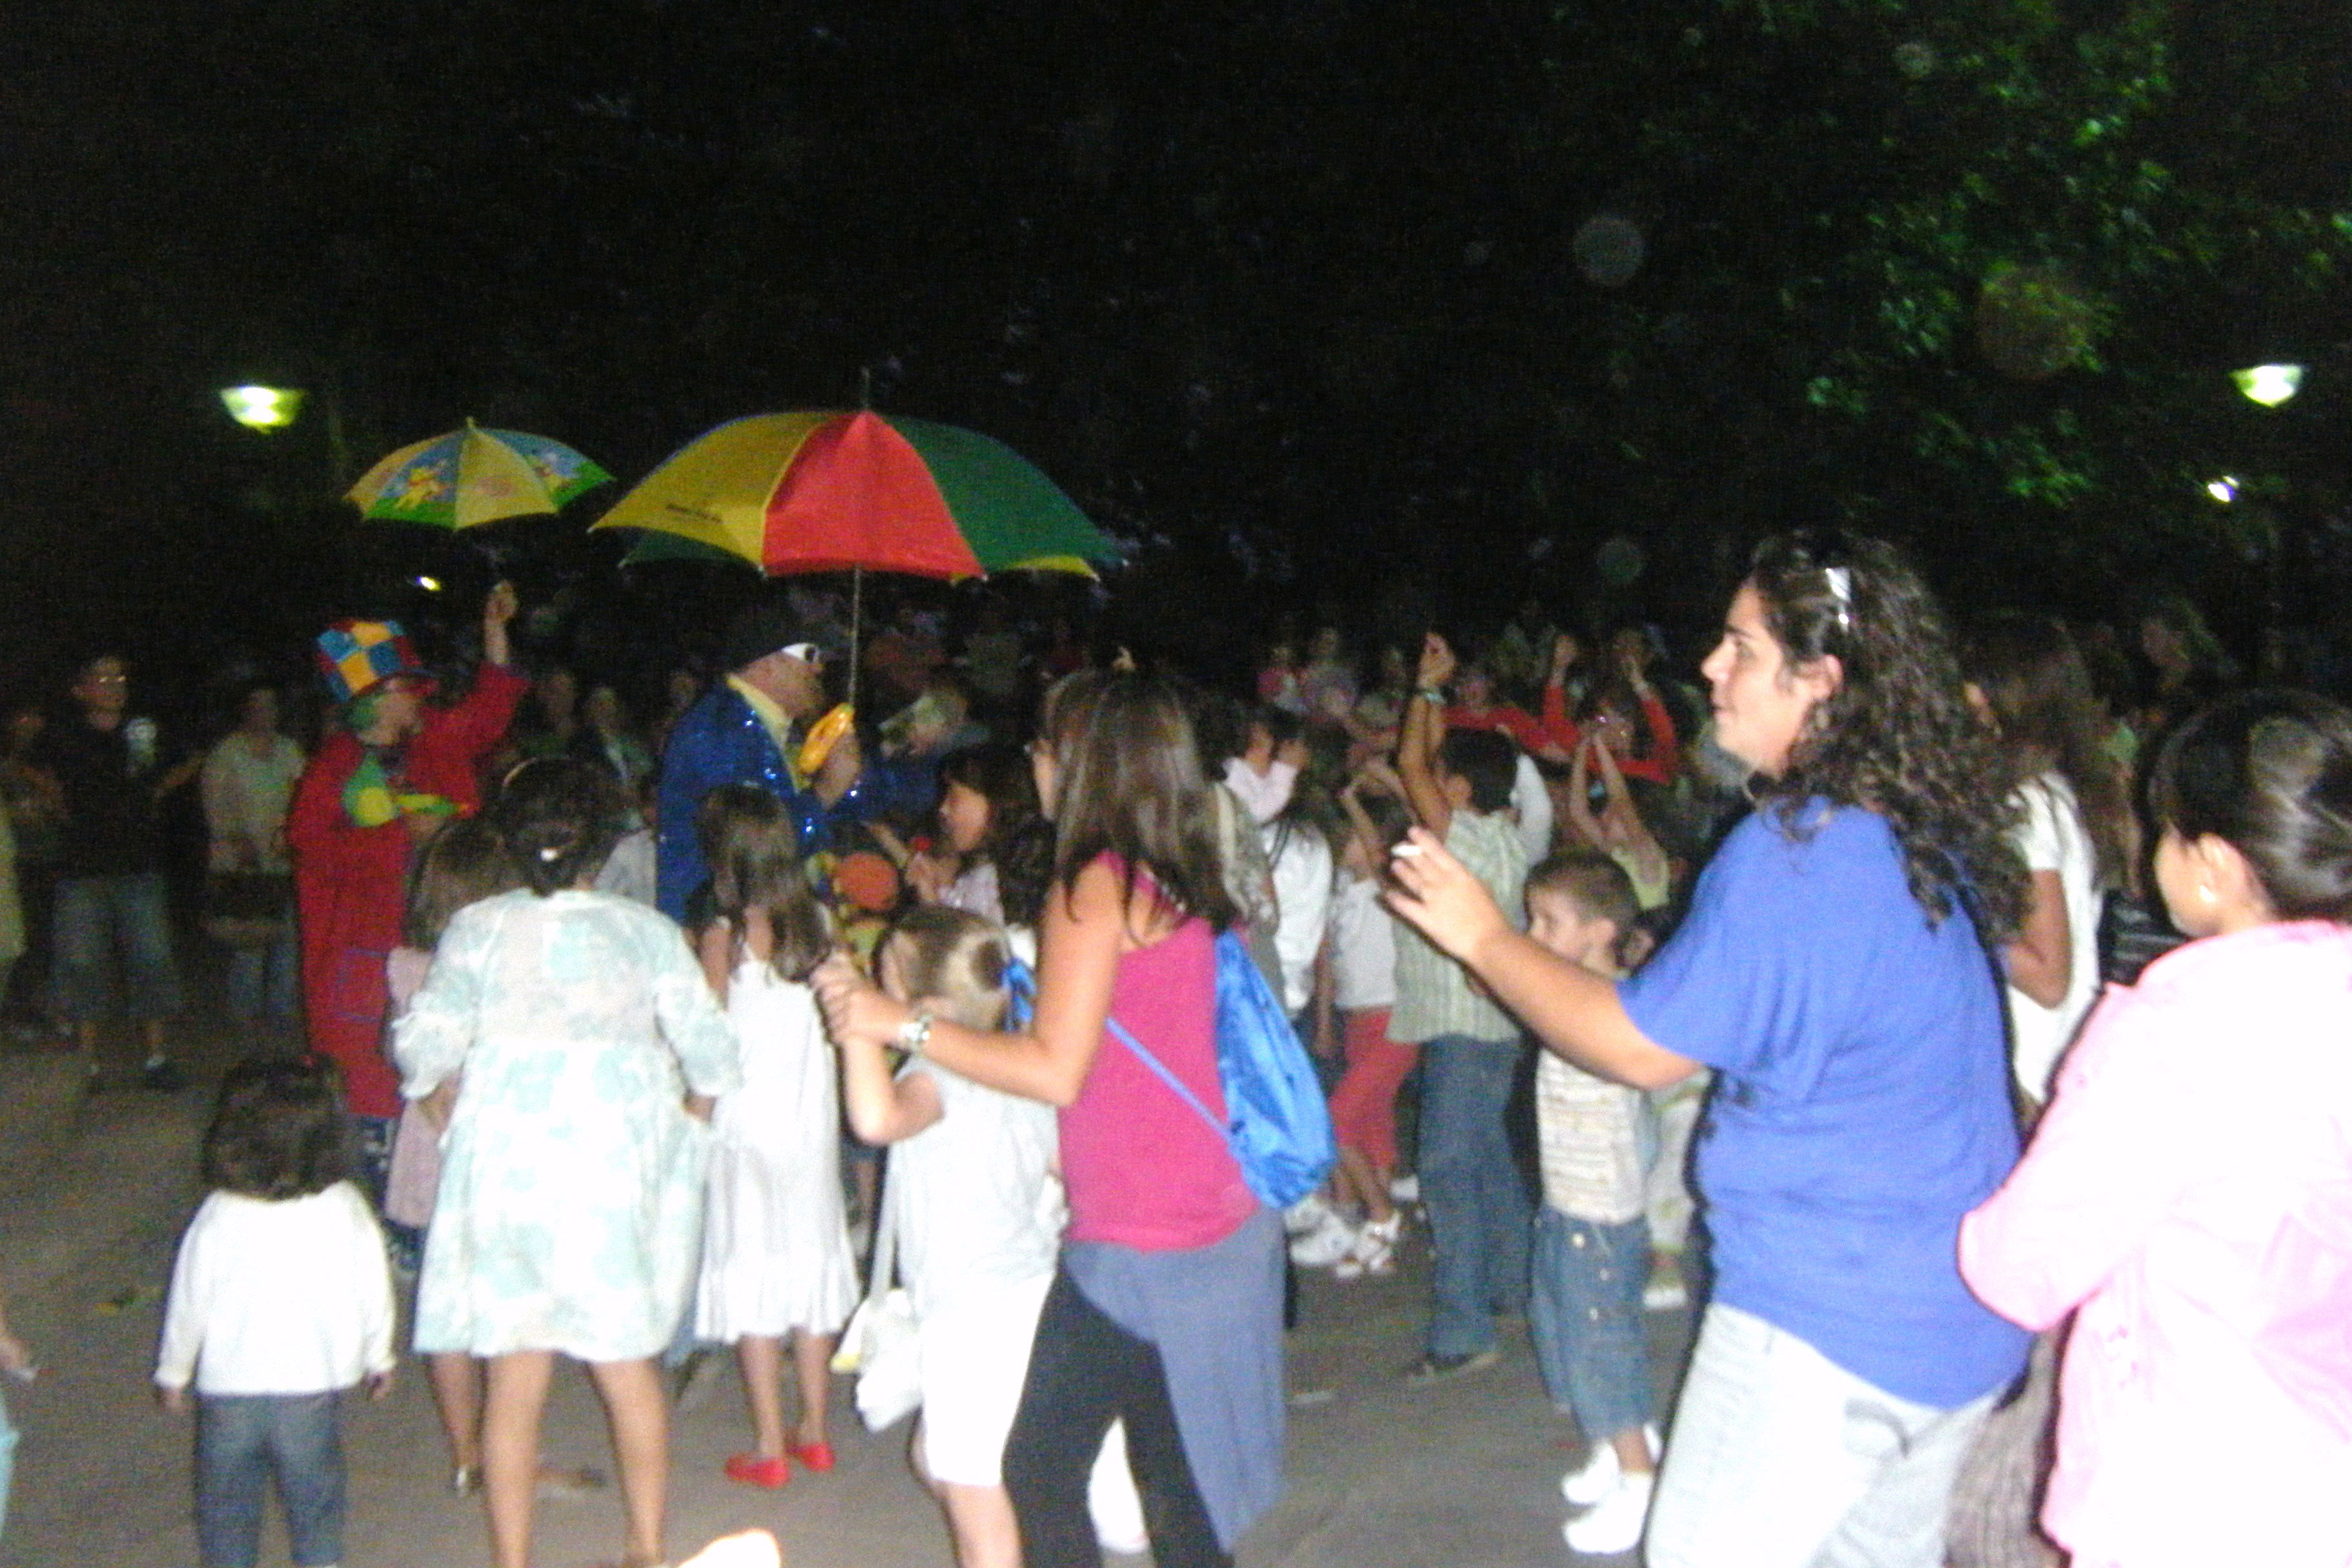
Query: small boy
(1592, 1243)
(281, 1299)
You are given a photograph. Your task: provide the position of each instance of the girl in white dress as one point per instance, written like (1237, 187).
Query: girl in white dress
(776, 1259)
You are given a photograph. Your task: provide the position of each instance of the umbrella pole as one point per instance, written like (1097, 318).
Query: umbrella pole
(856, 608)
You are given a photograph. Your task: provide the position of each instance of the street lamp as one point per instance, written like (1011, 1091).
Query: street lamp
(262, 409)
(2269, 384)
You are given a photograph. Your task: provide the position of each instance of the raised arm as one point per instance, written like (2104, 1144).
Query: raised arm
(1574, 1013)
(1580, 794)
(1424, 731)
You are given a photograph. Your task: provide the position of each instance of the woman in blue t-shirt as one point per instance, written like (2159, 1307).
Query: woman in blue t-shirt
(1835, 972)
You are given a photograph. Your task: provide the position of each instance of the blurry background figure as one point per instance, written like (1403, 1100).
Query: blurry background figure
(249, 782)
(608, 734)
(11, 913)
(35, 809)
(114, 929)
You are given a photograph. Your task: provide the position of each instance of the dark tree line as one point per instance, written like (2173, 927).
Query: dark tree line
(1451, 292)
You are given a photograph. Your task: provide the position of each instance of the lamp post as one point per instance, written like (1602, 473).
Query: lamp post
(2272, 386)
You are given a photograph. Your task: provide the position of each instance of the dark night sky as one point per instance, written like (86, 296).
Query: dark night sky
(1301, 274)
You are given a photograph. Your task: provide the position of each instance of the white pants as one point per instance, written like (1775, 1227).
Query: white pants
(975, 1357)
(1780, 1459)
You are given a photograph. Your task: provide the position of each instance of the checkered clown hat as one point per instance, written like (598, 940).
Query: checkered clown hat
(359, 655)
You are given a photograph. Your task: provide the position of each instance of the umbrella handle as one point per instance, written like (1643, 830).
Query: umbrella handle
(856, 610)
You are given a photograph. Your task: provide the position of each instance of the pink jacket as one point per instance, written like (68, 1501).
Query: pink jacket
(2190, 1190)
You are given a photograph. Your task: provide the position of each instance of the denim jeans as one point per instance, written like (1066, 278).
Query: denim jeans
(100, 917)
(1470, 1181)
(242, 1440)
(1585, 1312)
(261, 980)
(1781, 1459)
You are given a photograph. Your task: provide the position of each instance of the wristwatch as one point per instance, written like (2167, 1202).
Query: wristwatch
(916, 1032)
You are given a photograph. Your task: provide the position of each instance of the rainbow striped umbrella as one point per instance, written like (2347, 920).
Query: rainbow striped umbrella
(831, 492)
(474, 476)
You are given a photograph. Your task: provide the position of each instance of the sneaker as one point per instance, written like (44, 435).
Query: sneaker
(1375, 1249)
(1434, 1368)
(1614, 1524)
(1308, 1214)
(1598, 1474)
(1323, 1246)
(164, 1076)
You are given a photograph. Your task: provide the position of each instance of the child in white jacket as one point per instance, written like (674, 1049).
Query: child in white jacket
(280, 1300)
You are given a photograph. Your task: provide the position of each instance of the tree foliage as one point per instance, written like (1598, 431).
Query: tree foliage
(1310, 285)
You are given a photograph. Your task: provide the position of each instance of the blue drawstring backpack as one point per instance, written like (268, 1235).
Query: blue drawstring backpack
(1277, 1126)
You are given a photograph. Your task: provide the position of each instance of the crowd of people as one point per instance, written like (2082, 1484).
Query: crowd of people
(621, 1042)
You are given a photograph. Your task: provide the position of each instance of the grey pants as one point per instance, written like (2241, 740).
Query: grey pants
(1781, 1459)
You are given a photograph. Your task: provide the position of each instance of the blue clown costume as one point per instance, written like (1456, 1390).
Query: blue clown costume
(722, 740)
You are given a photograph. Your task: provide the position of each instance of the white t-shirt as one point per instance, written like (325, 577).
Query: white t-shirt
(1532, 802)
(1263, 793)
(290, 1296)
(1363, 946)
(974, 1195)
(1301, 859)
(2053, 838)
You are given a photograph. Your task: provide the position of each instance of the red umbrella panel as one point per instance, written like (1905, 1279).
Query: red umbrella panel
(830, 491)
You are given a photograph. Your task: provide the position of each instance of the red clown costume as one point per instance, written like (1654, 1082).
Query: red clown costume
(351, 832)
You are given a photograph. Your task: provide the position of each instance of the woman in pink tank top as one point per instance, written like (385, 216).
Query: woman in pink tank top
(1166, 1311)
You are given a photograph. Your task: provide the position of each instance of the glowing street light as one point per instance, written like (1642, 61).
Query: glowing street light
(2224, 490)
(2269, 384)
(262, 409)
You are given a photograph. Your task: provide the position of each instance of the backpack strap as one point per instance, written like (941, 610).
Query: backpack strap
(1183, 1091)
(1022, 981)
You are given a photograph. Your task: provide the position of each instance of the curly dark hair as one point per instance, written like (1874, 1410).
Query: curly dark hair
(1897, 736)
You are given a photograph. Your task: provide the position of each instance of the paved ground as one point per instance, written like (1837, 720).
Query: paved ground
(92, 1196)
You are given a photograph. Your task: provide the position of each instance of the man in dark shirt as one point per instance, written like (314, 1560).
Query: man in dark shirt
(110, 895)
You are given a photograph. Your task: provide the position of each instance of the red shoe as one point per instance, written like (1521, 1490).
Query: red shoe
(769, 1470)
(817, 1458)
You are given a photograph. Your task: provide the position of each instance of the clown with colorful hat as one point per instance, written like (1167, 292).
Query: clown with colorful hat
(398, 766)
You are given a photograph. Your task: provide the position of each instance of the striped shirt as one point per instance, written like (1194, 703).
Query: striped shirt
(1436, 996)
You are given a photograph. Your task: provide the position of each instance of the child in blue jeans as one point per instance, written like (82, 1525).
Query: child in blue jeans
(1592, 1242)
(281, 1299)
